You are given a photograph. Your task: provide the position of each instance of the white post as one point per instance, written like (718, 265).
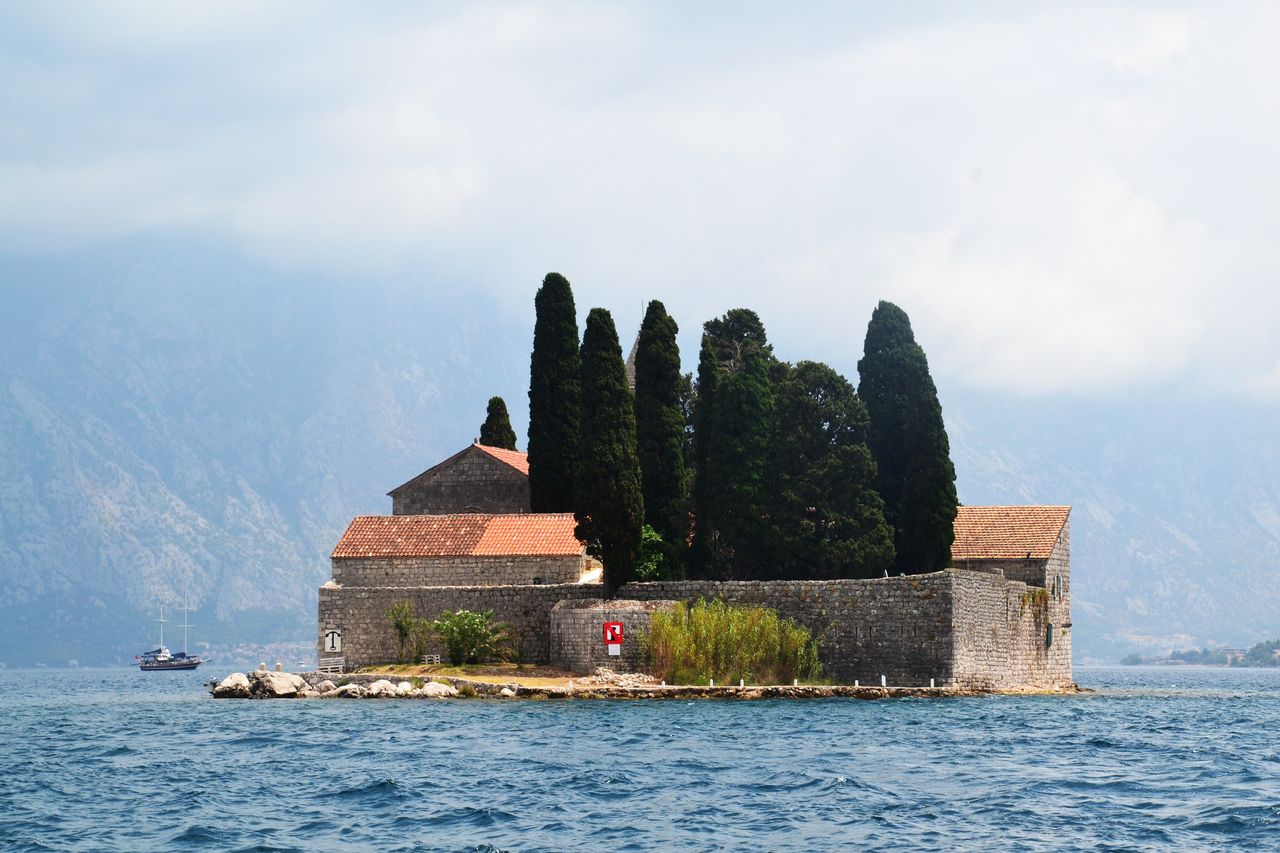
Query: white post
(713, 682)
(931, 682)
(279, 667)
(855, 682)
(882, 682)
(664, 682)
(740, 684)
(262, 667)
(795, 682)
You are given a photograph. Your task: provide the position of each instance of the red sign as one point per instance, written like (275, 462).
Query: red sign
(613, 632)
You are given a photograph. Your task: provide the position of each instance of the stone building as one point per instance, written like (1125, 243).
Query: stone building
(479, 479)
(999, 618)
(461, 550)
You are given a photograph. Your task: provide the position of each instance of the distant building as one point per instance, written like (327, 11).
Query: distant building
(479, 479)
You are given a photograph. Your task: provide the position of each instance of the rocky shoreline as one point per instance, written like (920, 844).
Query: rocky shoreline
(605, 685)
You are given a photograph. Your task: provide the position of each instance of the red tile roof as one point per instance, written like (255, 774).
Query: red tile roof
(1007, 532)
(514, 458)
(531, 535)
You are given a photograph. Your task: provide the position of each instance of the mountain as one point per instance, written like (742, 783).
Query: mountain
(191, 424)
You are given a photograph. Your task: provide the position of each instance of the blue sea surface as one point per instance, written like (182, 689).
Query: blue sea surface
(1156, 759)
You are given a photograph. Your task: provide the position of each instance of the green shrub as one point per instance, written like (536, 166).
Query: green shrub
(689, 645)
(466, 691)
(412, 632)
(471, 637)
(652, 562)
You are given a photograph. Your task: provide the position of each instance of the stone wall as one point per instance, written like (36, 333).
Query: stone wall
(367, 638)
(473, 481)
(577, 633)
(457, 571)
(960, 628)
(896, 627)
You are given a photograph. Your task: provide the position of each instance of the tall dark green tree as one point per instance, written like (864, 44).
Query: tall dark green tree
(555, 400)
(908, 440)
(496, 430)
(827, 518)
(610, 510)
(660, 433)
(734, 423)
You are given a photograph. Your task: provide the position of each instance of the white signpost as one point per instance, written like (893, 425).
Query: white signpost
(332, 641)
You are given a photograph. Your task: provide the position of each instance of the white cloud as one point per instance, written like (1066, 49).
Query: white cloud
(1063, 200)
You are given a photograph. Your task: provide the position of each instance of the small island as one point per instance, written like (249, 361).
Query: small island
(774, 496)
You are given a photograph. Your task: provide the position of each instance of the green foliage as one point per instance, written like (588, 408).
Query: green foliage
(711, 639)
(908, 441)
(496, 430)
(728, 344)
(554, 398)
(466, 691)
(652, 563)
(610, 510)
(412, 633)
(660, 432)
(828, 520)
(470, 637)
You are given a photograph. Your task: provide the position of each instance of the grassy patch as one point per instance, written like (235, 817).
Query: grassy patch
(710, 639)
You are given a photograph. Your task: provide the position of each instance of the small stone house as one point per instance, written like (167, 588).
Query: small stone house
(479, 479)
(461, 550)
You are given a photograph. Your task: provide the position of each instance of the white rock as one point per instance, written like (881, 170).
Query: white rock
(277, 685)
(234, 686)
(326, 686)
(507, 691)
(436, 690)
(404, 688)
(346, 691)
(381, 689)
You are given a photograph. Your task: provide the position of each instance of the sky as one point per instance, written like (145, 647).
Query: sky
(1068, 199)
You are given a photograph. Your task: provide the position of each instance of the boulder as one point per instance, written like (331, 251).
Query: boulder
(326, 686)
(346, 691)
(234, 686)
(381, 689)
(277, 685)
(308, 692)
(404, 688)
(506, 691)
(435, 690)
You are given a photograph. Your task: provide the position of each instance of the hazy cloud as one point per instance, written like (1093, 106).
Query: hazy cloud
(1069, 199)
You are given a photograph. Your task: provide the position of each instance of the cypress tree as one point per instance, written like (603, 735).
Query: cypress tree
(828, 519)
(554, 398)
(660, 433)
(496, 430)
(700, 551)
(908, 440)
(610, 511)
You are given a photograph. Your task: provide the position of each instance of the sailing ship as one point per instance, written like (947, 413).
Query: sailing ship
(161, 659)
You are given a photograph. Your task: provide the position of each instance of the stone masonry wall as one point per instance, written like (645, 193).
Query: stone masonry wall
(474, 482)
(897, 627)
(457, 571)
(577, 633)
(367, 638)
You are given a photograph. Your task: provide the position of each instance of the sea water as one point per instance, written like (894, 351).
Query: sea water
(1158, 758)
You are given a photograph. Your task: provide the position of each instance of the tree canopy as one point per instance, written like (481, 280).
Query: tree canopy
(660, 426)
(610, 512)
(828, 520)
(555, 401)
(496, 430)
(908, 441)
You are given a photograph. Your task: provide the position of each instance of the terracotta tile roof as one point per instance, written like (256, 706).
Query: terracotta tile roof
(514, 458)
(536, 534)
(1007, 532)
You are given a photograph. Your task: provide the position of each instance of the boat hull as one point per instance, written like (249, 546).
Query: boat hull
(175, 666)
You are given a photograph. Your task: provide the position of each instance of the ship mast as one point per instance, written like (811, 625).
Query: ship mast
(161, 620)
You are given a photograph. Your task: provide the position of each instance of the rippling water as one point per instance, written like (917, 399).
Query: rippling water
(1156, 759)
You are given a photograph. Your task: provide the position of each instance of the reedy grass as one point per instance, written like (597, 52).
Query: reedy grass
(710, 639)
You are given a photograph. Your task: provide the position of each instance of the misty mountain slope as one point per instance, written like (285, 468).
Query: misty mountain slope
(163, 432)
(194, 425)
(1175, 538)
